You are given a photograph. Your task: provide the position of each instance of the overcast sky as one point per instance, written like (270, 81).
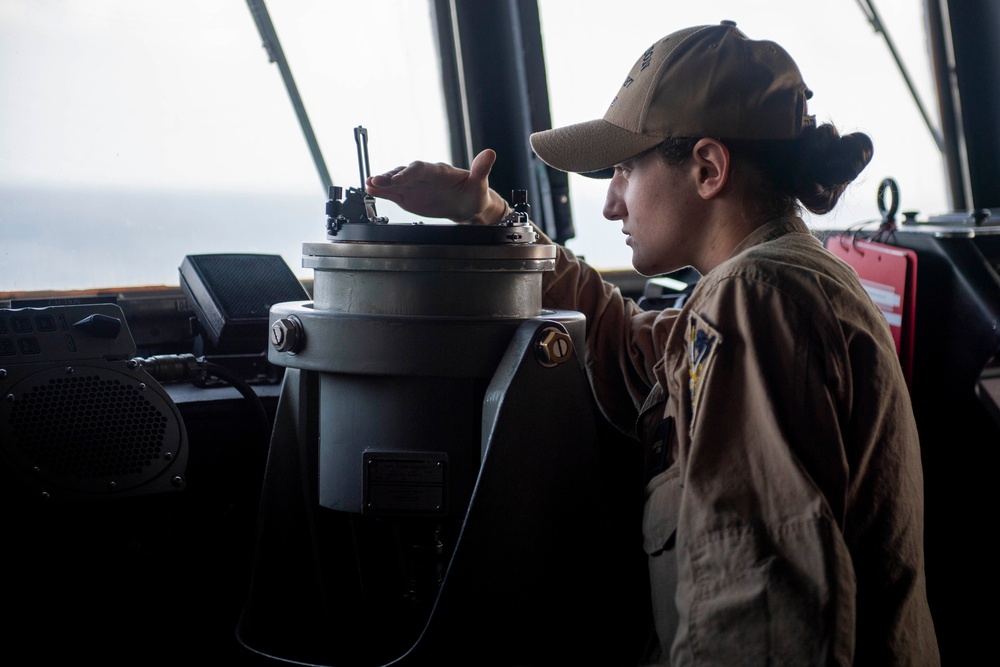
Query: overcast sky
(179, 95)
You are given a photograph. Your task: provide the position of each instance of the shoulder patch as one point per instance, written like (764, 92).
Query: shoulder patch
(703, 341)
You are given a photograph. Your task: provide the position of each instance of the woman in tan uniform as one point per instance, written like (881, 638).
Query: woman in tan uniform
(784, 505)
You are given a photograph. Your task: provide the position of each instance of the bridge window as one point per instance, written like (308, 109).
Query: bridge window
(135, 133)
(857, 86)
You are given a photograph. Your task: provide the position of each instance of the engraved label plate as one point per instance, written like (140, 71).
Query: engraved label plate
(405, 483)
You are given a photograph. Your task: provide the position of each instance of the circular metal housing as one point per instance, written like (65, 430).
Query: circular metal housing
(437, 234)
(453, 272)
(407, 326)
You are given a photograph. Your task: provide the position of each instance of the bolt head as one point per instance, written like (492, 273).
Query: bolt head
(286, 335)
(554, 347)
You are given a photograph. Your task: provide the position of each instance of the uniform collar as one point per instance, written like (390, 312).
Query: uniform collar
(769, 231)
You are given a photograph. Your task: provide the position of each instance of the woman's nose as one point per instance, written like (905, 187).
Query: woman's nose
(614, 205)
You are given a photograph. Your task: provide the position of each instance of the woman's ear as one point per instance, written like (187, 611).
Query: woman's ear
(711, 157)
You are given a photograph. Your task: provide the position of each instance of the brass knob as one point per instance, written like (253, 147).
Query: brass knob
(554, 347)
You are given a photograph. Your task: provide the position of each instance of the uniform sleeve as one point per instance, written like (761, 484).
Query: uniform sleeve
(764, 573)
(624, 343)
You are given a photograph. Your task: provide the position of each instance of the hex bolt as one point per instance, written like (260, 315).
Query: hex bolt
(287, 335)
(554, 347)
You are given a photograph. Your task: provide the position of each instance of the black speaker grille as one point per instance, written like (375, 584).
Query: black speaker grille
(89, 428)
(246, 286)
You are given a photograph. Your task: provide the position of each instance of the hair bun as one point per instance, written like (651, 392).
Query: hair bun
(846, 157)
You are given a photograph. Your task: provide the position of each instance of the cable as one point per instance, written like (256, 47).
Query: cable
(238, 383)
(174, 367)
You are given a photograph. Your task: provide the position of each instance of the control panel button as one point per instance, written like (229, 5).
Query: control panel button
(45, 323)
(100, 326)
(21, 324)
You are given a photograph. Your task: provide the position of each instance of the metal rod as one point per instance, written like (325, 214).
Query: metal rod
(276, 55)
(361, 139)
(868, 7)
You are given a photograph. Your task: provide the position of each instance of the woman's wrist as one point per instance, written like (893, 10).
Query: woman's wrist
(496, 210)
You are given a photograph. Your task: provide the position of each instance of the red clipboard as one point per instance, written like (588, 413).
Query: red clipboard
(889, 275)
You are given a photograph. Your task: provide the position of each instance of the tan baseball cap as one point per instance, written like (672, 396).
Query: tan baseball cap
(705, 81)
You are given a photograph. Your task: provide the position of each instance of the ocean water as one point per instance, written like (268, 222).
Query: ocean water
(83, 238)
(92, 238)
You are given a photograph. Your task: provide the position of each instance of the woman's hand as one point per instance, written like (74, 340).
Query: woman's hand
(439, 190)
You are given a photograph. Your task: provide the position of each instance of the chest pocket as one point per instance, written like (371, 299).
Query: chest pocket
(659, 532)
(663, 491)
(661, 511)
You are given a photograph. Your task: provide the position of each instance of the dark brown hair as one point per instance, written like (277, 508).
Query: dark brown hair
(776, 177)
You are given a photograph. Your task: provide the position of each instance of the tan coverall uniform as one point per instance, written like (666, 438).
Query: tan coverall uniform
(784, 514)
